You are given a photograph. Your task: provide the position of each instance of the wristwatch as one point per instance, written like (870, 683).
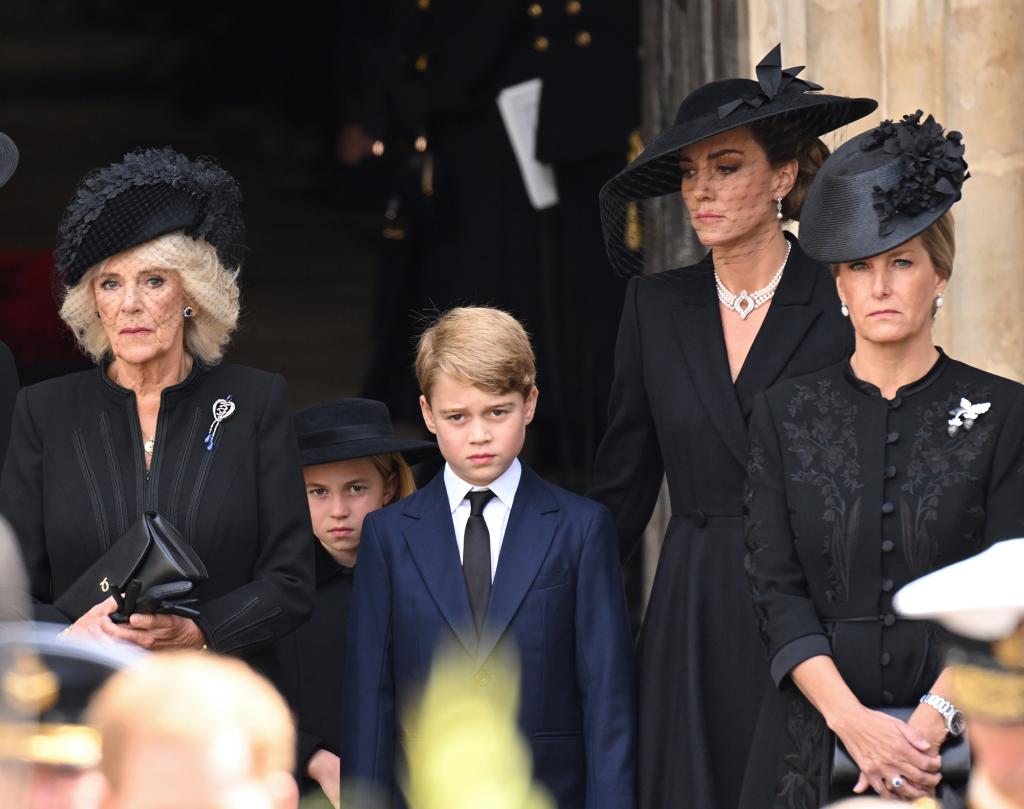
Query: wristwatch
(955, 722)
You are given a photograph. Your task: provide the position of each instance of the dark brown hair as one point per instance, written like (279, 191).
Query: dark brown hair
(784, 140)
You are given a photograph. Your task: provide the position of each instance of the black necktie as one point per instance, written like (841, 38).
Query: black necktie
(476, 556)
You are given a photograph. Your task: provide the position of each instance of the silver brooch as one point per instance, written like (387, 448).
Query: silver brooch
(222, 409)
(965, 415)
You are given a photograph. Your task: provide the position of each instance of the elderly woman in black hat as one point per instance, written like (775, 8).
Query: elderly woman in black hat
(867, 474)
(147, 264)
(695, 345)
(353, 464)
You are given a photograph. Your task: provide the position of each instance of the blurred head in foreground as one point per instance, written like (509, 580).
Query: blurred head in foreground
(194, 731)
(981, 602)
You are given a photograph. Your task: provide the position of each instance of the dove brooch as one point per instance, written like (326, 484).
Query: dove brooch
(965, 415)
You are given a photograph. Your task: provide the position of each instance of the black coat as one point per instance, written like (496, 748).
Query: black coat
(8, 390)
(675, 411)
(75, 480)
(852, 496)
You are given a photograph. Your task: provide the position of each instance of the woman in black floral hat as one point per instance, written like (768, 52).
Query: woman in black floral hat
(148, 257)
(866, 475)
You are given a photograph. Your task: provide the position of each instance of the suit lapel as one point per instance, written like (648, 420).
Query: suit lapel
(790, 316)
(528, 535)
(699, 331)
(430, 535)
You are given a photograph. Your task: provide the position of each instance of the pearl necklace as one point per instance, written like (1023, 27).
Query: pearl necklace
(746, 302)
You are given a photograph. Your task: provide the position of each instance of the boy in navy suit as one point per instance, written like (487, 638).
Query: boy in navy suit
(490, 557)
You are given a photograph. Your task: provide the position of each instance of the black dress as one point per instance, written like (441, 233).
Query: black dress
(850, 497)
(75, 479)
(675, 410)
(8, 390)
(313, 662)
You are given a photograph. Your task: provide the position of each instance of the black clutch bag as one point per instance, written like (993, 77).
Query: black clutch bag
(956, 757)
(150, 569)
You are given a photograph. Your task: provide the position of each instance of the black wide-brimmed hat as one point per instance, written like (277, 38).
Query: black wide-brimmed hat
(8, 158)
(149, 193)
(882, 188)
(353, 428)
(711, 109)
(46, 685)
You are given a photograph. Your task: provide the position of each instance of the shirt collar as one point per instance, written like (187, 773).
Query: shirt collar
(504, 486)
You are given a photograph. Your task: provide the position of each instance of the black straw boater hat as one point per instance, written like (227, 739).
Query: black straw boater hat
(882, 188)
(8, 158)
(353, 428)
(711, 109)
(149, 193)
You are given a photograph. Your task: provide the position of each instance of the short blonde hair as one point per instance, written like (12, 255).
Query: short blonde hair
(478, 345)
(191, 698)
(209, 286)
(392, 465)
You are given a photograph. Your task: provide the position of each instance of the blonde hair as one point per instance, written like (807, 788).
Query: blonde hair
(480, 346)
(939, 241)
(197, 699)
(210, 288)
(392, 465)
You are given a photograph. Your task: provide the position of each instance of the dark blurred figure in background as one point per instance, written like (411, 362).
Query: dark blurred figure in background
(8, 373)
(461, 225)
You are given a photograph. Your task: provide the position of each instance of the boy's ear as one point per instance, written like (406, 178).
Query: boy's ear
(428, 417)
(390, 487)
(530, 406)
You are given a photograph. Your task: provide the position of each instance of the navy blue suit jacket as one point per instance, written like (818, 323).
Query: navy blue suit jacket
(557, 603)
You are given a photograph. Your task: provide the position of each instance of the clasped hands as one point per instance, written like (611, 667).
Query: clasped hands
(153, 632)
(887, 749)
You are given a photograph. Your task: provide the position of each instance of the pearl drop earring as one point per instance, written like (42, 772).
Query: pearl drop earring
(843, 308)
(778, 208)
(938, 301)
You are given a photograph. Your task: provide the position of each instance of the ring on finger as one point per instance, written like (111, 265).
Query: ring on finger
(897, 782)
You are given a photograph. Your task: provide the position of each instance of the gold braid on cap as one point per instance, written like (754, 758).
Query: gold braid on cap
(989, 693)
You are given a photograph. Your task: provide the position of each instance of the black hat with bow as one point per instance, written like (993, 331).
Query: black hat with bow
(711, 109)
(149, 193)
(882, 188)
(353, 428)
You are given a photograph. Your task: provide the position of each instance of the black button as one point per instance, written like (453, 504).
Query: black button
(887, 546)
(886, 585)
(892, 437)
(889, 619)
(885, 659)
(700, 519)
(890, 472)
(895, 403)
(888, 508)
(888, 698)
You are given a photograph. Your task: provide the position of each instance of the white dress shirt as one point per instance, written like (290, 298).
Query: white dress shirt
(495, 512)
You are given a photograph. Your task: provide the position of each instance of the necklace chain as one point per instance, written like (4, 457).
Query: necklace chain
(746, 302)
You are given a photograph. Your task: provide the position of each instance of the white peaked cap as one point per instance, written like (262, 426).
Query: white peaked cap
(980, 598)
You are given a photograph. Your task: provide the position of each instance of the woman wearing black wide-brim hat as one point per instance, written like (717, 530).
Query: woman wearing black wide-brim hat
(695, 345)
(353, 464)
(867, 474)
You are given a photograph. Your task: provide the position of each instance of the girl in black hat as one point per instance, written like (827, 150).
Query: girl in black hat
(353, 464)
(866, 475)
(695, 345)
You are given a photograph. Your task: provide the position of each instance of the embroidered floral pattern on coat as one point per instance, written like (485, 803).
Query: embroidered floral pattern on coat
(823, 437)
(801, 779)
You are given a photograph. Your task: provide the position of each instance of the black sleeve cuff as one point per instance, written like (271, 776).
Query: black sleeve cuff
(796, 652)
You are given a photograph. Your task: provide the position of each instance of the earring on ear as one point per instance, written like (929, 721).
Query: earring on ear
(844, 309)
(778, 208)
(188, 312)
(938, 301)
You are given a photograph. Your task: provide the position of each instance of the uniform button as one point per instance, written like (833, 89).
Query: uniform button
(421, 63)
(573, 7)
(483, 679)
(888, 698)
(888, 508)
(886, 585)
(583, 39)
(541, 44)
(885, 659)
(890, 472)
(895, 403)
(887, 546)
(892, 437)
(535, 9)
(889, 619)
(423, 5)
